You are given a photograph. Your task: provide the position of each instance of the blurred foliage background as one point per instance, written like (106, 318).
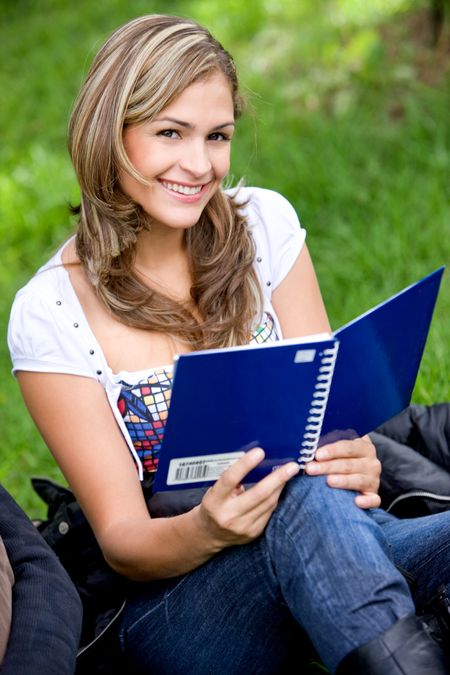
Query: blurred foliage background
(348, 117)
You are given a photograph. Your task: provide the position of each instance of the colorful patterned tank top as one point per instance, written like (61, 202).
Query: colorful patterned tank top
(144, 405)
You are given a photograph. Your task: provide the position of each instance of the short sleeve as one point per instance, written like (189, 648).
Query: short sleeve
(37, 337)
(277, 232)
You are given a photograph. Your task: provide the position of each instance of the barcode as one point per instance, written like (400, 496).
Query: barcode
(193, 472)
(199, 468)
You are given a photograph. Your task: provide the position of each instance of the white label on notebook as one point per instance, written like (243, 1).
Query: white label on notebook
(305, 356)
(200, 468)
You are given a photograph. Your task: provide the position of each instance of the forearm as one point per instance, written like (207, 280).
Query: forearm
(157, 548)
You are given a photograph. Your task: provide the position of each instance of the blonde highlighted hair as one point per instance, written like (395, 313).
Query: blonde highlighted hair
(142, 67)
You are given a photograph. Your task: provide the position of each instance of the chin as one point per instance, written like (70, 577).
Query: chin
(156, 223)
(178, 221)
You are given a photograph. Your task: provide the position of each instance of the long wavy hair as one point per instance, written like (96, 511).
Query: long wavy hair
(142, 67)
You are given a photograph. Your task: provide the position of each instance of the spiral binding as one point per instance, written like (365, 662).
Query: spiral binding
(318, 406)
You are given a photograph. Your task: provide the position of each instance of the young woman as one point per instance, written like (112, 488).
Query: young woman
(165, 261)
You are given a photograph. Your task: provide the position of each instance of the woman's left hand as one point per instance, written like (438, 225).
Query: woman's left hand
(352, 465)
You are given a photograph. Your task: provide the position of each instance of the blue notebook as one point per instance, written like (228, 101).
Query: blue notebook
(379, 358)
(288, 395)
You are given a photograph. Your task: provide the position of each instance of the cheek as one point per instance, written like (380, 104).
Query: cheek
(223, 165)
(131, 187)
(139, 158)
(139, 150)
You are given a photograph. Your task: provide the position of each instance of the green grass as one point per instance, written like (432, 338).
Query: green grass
(348, 118)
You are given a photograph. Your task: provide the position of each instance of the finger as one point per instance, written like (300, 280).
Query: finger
(341, 465)
(368, 500)
(369, 466)
(359, 447)
(357, 481)
(260, 522)
(233, 477)
(263, 491)
(261, 511)
(256, 519)
(235, 522)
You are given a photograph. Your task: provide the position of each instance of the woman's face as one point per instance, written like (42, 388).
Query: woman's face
(184, 152)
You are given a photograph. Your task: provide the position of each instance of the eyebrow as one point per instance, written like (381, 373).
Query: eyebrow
(172, 120)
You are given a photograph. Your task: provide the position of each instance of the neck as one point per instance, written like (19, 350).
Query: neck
(155, 250)
(162, 263)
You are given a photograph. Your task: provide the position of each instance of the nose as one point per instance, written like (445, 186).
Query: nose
(195, 159)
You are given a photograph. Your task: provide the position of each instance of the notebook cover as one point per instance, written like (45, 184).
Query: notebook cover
(379, 358)
(229, 400)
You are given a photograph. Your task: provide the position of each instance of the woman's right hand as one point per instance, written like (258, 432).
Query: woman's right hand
(231, 515)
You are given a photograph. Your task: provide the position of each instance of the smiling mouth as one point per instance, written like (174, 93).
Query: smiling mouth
(182, 189)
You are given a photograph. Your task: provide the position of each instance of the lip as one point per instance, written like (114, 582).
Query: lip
(186, 199)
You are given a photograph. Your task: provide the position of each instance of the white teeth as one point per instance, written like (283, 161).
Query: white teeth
(182, 189)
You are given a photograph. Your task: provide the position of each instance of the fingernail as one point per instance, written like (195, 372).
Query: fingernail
(292, 469)
(258, 453)
(334, 481)
(321, 454)
(312, 468)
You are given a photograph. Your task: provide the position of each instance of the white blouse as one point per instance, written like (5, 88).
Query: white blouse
(48, 331)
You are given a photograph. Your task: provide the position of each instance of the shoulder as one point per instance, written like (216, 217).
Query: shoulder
(46, 284)
(32, 309)
(46, 289)
(42, 313)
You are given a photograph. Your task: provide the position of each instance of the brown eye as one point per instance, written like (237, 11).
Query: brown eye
(218, 136)
(169, 133)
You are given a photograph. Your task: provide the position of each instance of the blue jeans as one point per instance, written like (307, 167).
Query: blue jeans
(323, 567)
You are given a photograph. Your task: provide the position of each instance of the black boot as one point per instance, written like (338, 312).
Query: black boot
(404, 649)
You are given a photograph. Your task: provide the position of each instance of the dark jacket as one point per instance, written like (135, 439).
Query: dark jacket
(414, 449)
(46, 609)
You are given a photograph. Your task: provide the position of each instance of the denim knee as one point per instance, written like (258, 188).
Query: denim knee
(317, 494)
(309, 503)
